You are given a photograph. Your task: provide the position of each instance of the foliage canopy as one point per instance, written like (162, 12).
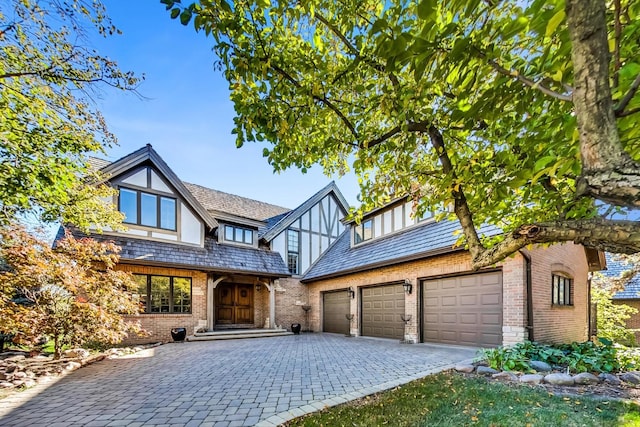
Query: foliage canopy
(71, 294)
(48, 125)
(519, 114)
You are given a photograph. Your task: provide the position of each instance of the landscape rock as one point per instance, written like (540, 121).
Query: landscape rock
(585, 378)
(10, 368)
(540, 366)
(485, 370)
(20, 375)
(29, 382)
(505, 375)
(5, 376)
(77, 353)
(630, 377)
(531, 379)
(17, 383)
(6, 384)
(467, 369)
(559, 379)
(610, 379)
(72, 365)
(16, 358)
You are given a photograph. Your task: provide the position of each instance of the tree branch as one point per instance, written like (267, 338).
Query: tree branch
(617, 28)
(619, 110)
(528, 82)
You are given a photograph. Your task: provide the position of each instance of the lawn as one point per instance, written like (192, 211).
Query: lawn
(449, 399)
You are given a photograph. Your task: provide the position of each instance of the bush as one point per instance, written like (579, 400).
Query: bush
(588, 356)
(612, 318)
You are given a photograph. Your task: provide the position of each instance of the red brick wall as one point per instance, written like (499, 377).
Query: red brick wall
(159, 325)
(557, 324)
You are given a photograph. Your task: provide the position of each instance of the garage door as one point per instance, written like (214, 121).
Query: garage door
(464, 310)
(382, 308)
(336, 306)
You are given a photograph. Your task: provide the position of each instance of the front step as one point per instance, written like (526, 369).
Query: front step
(238, 334)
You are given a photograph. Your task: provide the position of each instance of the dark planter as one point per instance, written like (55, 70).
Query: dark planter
(295, 328)
(178, 334)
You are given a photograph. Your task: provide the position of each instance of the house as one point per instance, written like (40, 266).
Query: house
(209, 260)
(630, 295)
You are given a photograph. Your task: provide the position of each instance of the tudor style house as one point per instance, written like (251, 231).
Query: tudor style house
(208, 260)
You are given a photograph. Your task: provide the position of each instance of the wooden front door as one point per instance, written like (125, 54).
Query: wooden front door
(234, 304)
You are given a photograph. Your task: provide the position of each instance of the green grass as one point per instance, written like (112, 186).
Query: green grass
(450, 400)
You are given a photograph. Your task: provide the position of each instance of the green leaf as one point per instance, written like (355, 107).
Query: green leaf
(185, 17)
(427, 9)
(554, 22)
(174, 13)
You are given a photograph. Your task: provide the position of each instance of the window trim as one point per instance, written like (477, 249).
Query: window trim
(567, 287)
(238, 230)
(158, 204)
(147, 306)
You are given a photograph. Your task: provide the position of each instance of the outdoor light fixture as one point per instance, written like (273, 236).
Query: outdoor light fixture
(258, 287)
(408, 287)
(352, 293)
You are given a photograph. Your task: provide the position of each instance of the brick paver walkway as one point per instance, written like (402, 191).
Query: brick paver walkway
(263, 381)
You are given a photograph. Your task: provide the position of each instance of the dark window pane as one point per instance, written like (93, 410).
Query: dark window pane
(129, 205)
(367, 230)
(148, 209)
(167, 213)
(159, 294)
(292, 261)
(181, 295)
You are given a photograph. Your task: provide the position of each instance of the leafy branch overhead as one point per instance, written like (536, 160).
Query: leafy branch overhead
(49, 77)
(518, 114)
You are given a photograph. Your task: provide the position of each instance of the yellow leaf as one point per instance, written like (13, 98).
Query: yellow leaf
(554, 22)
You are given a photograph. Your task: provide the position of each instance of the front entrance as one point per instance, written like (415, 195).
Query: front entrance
(234, 304)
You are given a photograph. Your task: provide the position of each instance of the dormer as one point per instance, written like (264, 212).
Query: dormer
(155, 203)
(386, 220)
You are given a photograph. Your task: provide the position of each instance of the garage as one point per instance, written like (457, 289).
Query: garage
(382, 311)
(463, 310)
(335, 306)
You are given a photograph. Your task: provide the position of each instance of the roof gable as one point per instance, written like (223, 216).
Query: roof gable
(284, 221)
(148, 154)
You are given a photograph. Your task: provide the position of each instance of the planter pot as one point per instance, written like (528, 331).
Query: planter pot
(295, 328)
(178, 334)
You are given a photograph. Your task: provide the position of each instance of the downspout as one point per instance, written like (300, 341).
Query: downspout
(527, 278)
(593, 329)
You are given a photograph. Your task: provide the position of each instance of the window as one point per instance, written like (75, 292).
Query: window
(164, 294)
(364, 231)
(238, 234)
(293, 251)
(561, 290)
(147, 209)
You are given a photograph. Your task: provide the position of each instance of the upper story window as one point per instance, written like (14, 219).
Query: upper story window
(364, 231)
(561, 290)
(293, 251)
(151, 210)
(238, 234)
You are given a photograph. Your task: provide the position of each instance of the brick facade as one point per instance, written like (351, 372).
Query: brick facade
(291, 295)
(557, 324)
(551, 324)
(159, 325)
(634, 321)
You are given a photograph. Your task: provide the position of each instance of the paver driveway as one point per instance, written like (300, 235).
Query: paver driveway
(261, 381)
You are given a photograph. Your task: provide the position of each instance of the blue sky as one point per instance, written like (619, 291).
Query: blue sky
(187, 115)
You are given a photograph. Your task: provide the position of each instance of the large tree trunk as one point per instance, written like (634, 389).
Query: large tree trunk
(608, 172)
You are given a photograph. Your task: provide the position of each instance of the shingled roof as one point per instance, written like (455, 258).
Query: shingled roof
(421, 241)
(615, 268)
(219, 201)
(213, 257)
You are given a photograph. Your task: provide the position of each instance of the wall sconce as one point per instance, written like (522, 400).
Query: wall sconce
(352, 293)
(408, 287)
(258, 287)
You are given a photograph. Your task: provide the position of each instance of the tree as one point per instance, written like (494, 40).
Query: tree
(612, 318)
(48, 126)
(71, 294)
(517, 114)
